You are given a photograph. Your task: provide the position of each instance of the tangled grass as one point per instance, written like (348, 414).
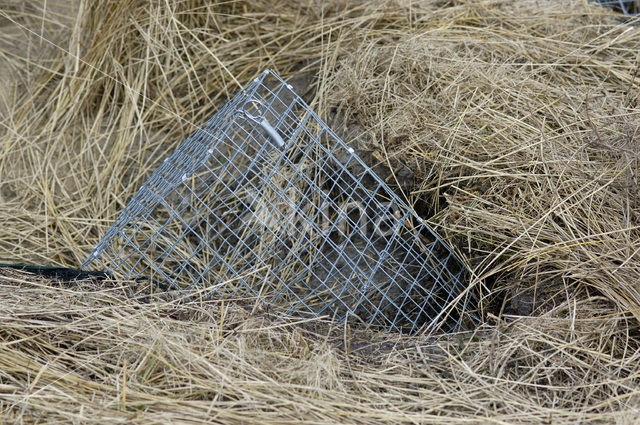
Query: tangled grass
(515, 123)
(522, 135)
(96, 353)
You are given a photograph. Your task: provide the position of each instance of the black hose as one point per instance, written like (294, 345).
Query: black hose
(65, 274)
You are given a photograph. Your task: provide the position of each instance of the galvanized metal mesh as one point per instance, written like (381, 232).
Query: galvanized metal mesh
(628, 7)
(266, 200)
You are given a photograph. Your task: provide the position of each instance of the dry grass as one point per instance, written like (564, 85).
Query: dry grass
(523, 136)
(517, 122)
(110, 353)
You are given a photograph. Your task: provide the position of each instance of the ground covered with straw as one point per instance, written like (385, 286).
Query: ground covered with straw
(511, 126)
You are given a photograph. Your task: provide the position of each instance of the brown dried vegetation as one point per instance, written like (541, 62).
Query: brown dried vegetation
(514, 122)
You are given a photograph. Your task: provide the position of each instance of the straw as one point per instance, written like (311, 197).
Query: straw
(511, 126)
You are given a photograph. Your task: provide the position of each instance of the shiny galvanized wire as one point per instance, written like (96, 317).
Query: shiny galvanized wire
(628, 7)
(265, 200)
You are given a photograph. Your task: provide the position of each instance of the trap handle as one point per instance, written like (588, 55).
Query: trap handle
(260, 119)
(272, 132)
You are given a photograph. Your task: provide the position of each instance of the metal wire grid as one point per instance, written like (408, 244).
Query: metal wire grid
(266, 200)
(628, 7)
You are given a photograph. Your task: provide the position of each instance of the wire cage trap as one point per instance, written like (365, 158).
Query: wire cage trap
(628, 7)
(265, 200)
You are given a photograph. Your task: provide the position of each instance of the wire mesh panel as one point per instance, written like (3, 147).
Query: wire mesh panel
(265, 199)
(628, 7)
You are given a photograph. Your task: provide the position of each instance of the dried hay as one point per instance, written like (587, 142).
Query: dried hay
(522, 134)
(513, 123)
(110, 352)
